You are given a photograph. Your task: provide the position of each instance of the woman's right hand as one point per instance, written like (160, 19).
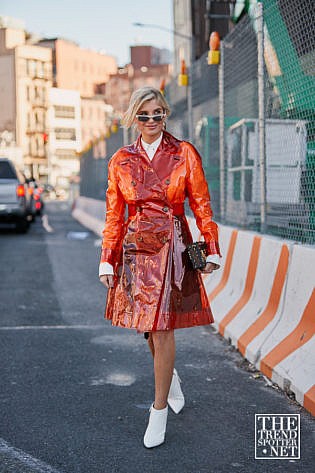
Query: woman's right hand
(107, 280)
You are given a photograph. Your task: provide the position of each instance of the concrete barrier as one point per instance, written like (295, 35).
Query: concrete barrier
(263, 301)
(266, 298)
(90, 213)
(287, 356)
(238, 285)
(216, 280)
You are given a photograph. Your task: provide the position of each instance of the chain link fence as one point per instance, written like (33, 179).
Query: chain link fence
(261, 168)
(253, 121)
(94, 166)
(283, 134)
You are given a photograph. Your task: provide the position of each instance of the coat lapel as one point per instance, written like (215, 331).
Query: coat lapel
(151, 178)
(166, 158)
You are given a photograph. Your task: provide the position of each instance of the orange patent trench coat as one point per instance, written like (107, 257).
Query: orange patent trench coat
(155, 288)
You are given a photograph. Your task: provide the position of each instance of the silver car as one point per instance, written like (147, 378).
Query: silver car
(15, 203)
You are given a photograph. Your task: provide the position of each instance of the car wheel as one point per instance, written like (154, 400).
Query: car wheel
(22, 226)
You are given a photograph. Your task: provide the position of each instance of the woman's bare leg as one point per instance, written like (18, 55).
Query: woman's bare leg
(164, 358)
(150, 343)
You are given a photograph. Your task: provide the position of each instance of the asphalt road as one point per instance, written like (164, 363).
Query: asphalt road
(75, 391)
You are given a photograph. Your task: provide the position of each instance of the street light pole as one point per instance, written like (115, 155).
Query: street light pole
(163, 28)
(189, 87)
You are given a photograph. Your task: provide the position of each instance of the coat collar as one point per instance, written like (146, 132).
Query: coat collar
(169, 144)
(166, 159)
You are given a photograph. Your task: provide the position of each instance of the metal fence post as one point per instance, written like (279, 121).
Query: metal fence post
(261, 115)
(221, 134)
(190, 91)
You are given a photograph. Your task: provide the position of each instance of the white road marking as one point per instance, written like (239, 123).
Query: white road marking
(46, 225)
(78, 235)
(25, 459)
(51, 327)
(118, 379)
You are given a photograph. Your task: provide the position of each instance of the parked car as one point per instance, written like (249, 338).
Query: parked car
(15, 200)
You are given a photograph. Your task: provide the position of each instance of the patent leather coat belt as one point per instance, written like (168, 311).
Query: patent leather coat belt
(178, 209)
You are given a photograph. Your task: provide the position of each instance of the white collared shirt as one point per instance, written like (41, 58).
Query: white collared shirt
(150, 148)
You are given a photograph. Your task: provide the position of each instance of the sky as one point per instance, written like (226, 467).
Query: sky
(102, 25)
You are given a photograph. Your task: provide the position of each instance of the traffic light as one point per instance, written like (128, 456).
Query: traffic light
(114, 125)
(214, 45)
(162, 87)
(183, 76)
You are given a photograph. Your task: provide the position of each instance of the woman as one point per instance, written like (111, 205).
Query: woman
(152, 287)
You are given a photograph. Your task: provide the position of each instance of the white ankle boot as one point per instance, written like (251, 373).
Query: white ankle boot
(176, 398)
(155, 432)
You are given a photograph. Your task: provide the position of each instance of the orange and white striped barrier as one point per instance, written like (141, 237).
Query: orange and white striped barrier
(287, 356)
(267, 284)
(236, 288)
(264, 304)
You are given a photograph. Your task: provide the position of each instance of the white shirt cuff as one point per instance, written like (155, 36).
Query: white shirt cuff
(214, 259)
(105, 268)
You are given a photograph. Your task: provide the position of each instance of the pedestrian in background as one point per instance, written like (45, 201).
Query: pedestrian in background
(152, 286)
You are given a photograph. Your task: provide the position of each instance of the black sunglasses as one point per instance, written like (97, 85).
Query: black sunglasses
(146, 118)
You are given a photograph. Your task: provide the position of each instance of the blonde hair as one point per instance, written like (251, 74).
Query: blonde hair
(138, 98)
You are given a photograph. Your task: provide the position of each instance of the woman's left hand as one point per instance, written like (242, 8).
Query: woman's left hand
(209, 268)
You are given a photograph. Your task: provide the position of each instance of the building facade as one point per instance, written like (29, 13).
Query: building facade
(26, 77)
(96, 118)
(83, 70)
(194, 21)
(76, 68)
(145, 69)
(64, 143)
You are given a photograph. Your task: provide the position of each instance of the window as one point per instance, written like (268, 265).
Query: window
(6, 171)
(65, 134)
(31, 67)
(40, 69)
(66, 154)
(64, 111)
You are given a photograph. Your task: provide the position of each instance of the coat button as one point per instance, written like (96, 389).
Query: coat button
(140, 238)
(167, 181)
(165, 209)
(133, 183)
